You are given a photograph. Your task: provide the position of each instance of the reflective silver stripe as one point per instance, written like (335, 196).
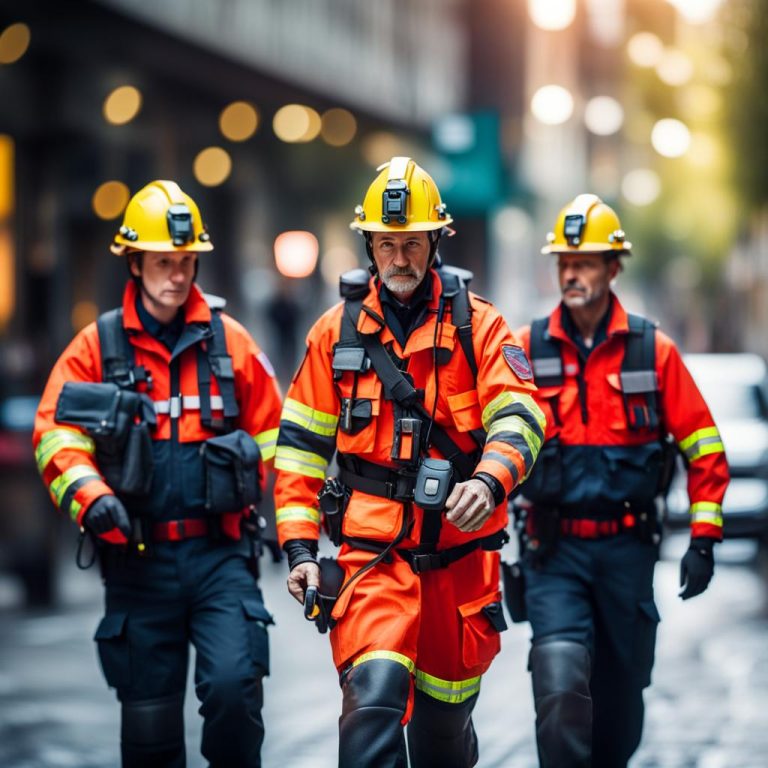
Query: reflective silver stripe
(635, 382)
(188, 403)
(547, 366)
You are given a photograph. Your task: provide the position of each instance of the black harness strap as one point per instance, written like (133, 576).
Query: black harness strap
(638, 367)
(117, 358)
(638, 373)
(119, 367)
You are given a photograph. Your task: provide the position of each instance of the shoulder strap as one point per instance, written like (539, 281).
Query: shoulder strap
(219, 362)
(546, 359)
(117, 358)
(456, 291)
(638, 373)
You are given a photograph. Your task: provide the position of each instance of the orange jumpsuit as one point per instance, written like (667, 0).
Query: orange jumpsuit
(432, 624)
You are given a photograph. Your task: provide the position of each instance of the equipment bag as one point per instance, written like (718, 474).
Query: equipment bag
(232, 476)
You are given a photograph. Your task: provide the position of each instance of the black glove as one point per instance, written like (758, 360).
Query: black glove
(106, 513)
(697, 567)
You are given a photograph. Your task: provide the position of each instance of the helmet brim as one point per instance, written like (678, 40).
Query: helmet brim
(120, 247)
(625, 248)
(418, 226)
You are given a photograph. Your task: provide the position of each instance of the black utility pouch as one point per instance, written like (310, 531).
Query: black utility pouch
(119, 421)
(514, 591)
(434, 482)
(94, 407)
(356, 415)
(232, 472)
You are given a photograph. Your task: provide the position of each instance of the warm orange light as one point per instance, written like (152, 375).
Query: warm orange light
(239, 121)
(296, 253)
(110, 199)
(212, 166)
(14, 42)
(338, 127)
(335, 261)
(7, 176)
(122, 105)
(83, 312)
(296, 123)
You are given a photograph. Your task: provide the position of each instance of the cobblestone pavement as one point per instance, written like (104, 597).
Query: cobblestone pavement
(707, 708)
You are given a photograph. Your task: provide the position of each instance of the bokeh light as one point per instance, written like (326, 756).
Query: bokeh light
(697, 11)
(212, 166)
(603, 115)
(238, 121)
(674, 67)
(296, 253)
(296, 123)
(381, 146)
(645, 49)
(670, 137)
(552, 104)
(110, 199)
(14, 42)
(338, 127)
(122, 105)
(641, 186)
(83, 312)
(552, 14)
(335, 261)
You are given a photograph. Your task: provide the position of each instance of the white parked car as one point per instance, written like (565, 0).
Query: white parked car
(735, 387)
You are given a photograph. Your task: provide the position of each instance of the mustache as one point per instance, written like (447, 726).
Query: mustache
(400, 272)
(573, 285)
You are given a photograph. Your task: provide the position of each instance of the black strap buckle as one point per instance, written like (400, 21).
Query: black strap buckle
(421, 562)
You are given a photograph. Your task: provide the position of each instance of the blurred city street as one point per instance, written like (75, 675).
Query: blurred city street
(707, 708)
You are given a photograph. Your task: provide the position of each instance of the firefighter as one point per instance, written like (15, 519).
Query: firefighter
(612, 387)
(425, 397)
(152, 435)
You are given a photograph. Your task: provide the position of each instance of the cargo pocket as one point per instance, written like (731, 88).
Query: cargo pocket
(359, 408)
(258, 619)
(481, 622)
(114, 651)
(645, 639)
(631, 472)
(465, 410)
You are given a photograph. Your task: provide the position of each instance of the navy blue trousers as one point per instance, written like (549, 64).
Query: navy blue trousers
(599, 593)
(199, 592)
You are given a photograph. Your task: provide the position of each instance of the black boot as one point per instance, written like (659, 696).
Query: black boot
(441, 734)
(560, 670)
(152, 733)
(370, 726)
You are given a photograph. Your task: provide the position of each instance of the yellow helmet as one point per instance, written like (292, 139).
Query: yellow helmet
(587, 225)
(160, 217)
(402, 198)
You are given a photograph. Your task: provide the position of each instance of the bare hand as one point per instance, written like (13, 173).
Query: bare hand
(302, 576)
(469, 505)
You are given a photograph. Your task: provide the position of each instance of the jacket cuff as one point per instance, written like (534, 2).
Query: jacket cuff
(300, 551)
(497, 489)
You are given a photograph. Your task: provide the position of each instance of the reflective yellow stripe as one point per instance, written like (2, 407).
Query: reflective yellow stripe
(79, 472)
(513, 398)
(450, 691)
(267, 442)
(319, 422)
(389, 655)
(702, 443)
(74, 509)
(518, 426)
(57, 440)
(300, 462)
(707, 512)
(292, 514)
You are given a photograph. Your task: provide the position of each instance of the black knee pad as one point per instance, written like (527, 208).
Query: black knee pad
(153, 722)
(376, 683)
(559, 666)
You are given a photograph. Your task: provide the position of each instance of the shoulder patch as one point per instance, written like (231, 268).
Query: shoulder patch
(517, 361)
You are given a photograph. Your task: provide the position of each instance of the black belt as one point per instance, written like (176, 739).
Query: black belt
(422, 561)
(396, 485)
